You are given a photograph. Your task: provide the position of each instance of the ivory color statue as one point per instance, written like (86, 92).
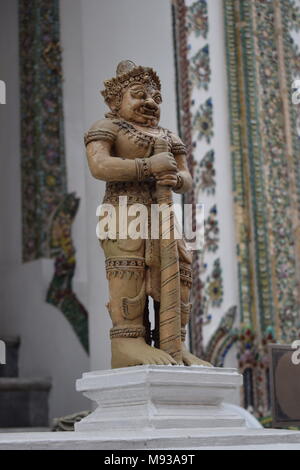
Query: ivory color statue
(144, 162)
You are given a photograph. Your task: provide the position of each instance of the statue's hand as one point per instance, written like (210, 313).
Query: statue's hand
(162, 163)
(167, 179)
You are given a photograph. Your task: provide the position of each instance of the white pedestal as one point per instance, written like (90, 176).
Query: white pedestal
(158, 408)
(159, 397)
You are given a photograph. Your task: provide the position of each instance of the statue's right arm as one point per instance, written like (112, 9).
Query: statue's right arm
(105, 167)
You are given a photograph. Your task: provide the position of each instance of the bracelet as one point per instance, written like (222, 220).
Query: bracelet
(146, 167)
(139, 169)
(179, 184)
(143, 168)
(128, 332)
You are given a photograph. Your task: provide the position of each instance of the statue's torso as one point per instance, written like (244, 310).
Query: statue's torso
(130, 142)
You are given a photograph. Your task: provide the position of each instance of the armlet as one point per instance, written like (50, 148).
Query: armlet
(99, 134)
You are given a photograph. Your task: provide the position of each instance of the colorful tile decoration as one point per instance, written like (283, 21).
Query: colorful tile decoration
(214, 285)
(261, 59)
(42, 133)
(197, 18)
(203, 121)
(262, 62)
(200, 72)
(204, 175)
(44, 179)
(195, 121)
(212, 231)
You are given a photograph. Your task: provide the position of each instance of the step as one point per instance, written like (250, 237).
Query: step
(12, 344)
(235, 438)
(24, 402)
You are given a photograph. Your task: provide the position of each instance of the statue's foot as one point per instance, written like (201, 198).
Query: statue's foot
(127, 352)
(190, 360)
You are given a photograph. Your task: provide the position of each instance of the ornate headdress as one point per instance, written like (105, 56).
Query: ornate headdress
(128, 74)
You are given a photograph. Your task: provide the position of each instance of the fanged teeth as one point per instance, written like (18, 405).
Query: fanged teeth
(148, 111)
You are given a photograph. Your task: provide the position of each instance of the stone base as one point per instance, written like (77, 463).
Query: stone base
(159, 397)
(158, 408)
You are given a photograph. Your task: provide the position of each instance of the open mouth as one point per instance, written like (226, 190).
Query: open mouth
(149, 112)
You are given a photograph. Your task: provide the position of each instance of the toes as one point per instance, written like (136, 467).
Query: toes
(147, 362)
(190, 360)
(187, 362)
(207, 364)
(170, 359)
(165, 361)
(157, 361)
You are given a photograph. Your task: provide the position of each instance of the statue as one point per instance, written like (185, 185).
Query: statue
(144, 162)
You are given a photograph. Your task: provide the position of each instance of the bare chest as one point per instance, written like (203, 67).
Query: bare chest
(132, 143)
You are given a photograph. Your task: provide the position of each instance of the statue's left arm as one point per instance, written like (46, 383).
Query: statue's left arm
(181, 181)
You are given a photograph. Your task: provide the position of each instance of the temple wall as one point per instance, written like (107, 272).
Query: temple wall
(95, 36)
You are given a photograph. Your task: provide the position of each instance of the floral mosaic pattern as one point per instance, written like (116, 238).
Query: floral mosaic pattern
(205, 175)
(269, 276)
(293, 15)
(200, 71)
(197, 18)
(214, 283)
(203, 121)
(212, 232)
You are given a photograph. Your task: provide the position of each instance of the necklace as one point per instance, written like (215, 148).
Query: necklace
(153, 132)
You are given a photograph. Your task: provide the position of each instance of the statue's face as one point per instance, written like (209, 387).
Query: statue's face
(141, 104)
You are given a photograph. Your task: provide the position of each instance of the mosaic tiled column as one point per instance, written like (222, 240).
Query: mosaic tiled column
(265, 157)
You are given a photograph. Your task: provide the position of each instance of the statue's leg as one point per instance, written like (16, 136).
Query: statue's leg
(125, 267)
(185, 262)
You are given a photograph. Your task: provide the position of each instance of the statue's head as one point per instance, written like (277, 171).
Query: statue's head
(134, 94)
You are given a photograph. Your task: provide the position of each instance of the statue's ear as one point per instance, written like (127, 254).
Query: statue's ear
(114, 104)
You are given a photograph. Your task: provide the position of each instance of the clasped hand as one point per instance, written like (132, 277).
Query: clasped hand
(164, 169)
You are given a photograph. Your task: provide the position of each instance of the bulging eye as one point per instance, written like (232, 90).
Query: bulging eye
(139, 94)
(158, 99)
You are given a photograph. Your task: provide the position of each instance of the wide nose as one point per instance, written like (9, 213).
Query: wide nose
(150, 103)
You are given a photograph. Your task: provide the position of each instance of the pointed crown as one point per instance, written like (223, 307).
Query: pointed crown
(128, 74)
